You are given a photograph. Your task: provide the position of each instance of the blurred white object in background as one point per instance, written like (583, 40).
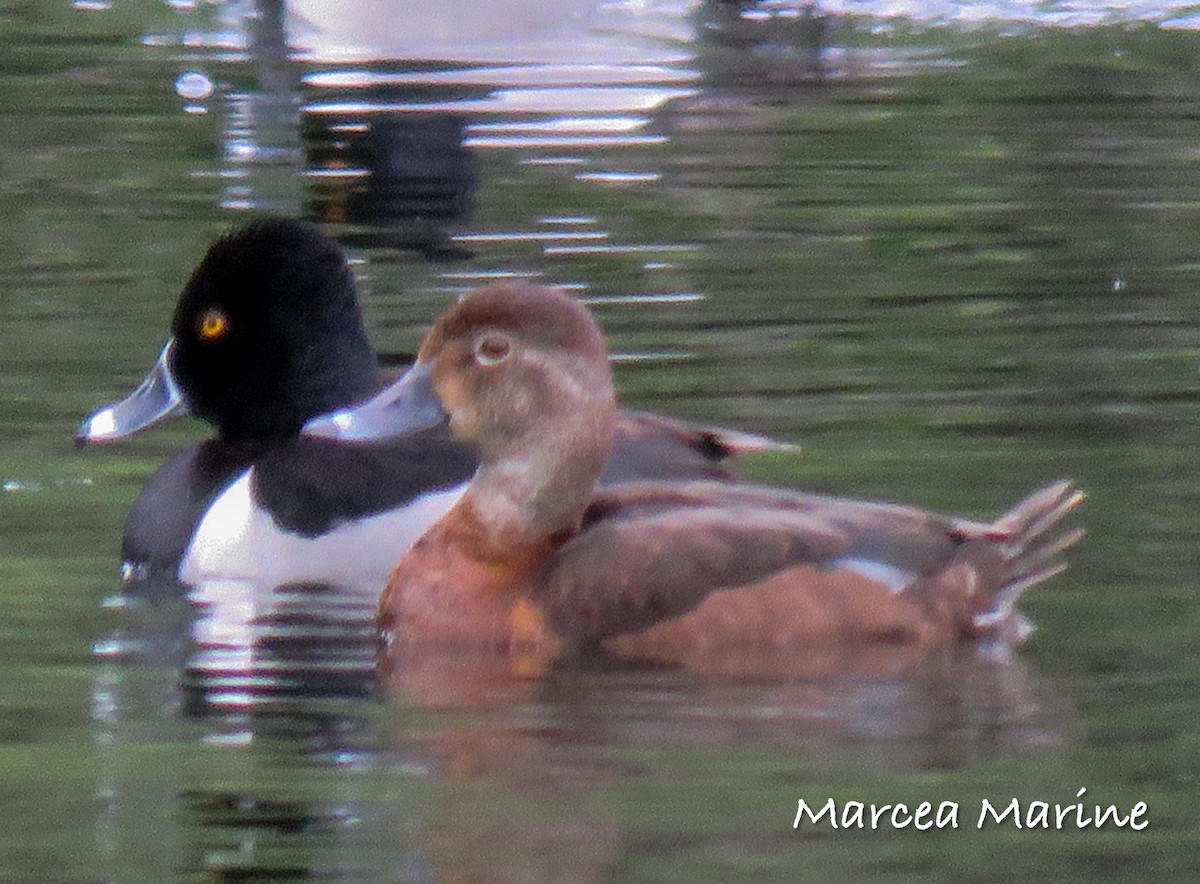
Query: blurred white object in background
(524, 31)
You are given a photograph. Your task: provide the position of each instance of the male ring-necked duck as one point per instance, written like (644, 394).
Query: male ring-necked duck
(534, 556)
(267, 334)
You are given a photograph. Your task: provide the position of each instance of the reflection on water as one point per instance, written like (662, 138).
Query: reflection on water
(948, 277)
(287, 675)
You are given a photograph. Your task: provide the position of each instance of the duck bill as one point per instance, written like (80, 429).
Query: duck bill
(408, 406)
(156, 398)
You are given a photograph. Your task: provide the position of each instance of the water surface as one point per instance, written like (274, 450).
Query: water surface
(953, 262)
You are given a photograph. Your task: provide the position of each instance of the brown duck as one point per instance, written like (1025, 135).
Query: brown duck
(535, 557)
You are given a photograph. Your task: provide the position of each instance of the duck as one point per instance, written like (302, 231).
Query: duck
(267, 334)
(536, 557)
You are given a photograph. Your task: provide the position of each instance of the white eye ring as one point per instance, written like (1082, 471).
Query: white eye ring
(492, 348)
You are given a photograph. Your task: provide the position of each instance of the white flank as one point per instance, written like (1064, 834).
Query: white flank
(237, 540)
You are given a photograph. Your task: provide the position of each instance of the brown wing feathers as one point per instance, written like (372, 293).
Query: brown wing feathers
(628, 573)
(651, 552)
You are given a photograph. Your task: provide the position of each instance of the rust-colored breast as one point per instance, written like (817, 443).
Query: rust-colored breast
(452, 588)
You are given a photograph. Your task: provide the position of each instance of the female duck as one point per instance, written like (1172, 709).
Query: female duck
(534, 556)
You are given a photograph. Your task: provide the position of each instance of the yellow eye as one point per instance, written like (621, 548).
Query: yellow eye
(213, 324)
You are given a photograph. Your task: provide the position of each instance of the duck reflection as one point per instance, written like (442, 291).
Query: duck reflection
(394, 173)
(524, 764)
(483, 767)
(779, 37)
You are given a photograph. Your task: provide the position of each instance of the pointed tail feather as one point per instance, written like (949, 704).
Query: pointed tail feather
(1025, 547)
(717, 443)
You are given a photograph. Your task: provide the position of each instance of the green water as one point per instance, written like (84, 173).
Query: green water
(951, 286)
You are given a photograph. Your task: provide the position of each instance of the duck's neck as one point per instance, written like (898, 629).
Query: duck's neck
(535, 490)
